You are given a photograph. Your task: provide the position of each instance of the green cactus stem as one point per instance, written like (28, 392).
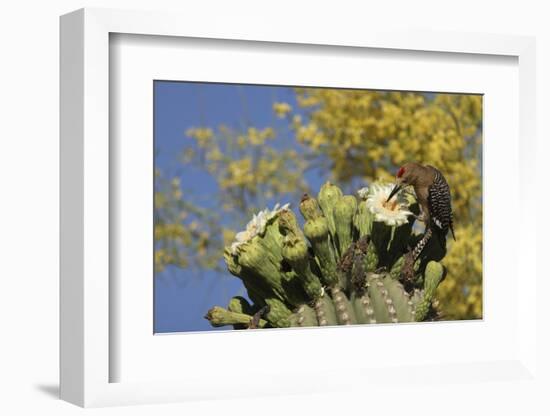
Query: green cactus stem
(255, 286)
(316, 231)
(232, 265)
(371, 258)
(432, 277)
(401, 300)
(294, 287)
(344, 310)
(258, 286)
(304, 316)
(385, 301)
(259, 262)
(295, 253)
(344, 211)
(278, 315)
(325, 311)
(219, 317)
(363, 308)
(395, 271)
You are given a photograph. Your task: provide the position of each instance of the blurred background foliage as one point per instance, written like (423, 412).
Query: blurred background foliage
(351, 137)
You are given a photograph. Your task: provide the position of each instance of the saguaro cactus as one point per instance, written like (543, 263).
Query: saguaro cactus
(345, 267)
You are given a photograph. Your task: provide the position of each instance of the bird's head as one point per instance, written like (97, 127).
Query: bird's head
(406, 175)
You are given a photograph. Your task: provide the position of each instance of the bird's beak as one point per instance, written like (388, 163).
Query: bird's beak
(395, 190)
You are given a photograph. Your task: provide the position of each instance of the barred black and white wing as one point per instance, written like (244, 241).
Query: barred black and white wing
(439, 202)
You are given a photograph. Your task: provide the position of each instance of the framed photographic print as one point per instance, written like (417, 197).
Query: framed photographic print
(344, 259)
(289, 208)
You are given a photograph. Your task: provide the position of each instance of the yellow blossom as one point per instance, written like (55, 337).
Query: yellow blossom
(281, 109)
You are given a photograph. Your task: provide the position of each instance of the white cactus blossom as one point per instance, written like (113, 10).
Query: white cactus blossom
(393, 212)
(256, 226)
(363, 192)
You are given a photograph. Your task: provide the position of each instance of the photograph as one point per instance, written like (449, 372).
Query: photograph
(290, 206)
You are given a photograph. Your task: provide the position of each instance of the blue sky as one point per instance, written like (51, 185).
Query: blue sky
(181, 296)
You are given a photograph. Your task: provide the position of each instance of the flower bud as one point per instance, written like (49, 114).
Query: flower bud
(328, 196)
(309, 207)
(219, 316)
(317, 229)
(288, 224)
(239, 304)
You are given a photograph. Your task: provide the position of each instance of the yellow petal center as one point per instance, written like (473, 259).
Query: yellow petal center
(390, 205)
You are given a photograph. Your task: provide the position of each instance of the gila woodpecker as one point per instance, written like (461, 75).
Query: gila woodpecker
(433, 195)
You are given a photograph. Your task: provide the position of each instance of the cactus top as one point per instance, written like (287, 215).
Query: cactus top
(256, 226)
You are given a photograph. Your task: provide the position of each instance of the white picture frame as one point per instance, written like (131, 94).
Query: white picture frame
(87, 302)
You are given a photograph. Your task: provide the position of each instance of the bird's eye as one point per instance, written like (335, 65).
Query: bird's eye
(400, 172)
